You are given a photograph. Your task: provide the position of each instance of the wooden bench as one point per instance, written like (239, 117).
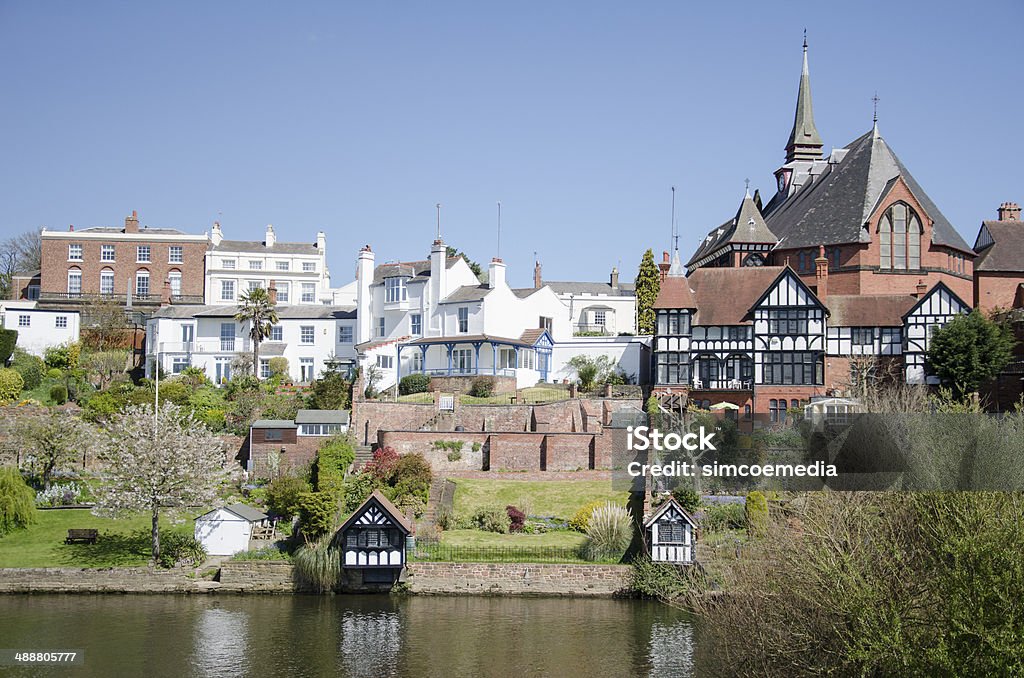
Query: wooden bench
(82, 536)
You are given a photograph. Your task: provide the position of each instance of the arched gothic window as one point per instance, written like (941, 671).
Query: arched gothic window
(899, 238)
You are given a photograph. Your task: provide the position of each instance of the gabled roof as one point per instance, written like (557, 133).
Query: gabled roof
(868, 310)
(939, 286)
(417, 270)
(663, 509)
(322, 417)
(385, 505)
(748, 226)
(531, 337)
(243, 511)
(467, 293)
(259, 247)
(1000, 245)
(724, 296)
(833, 207)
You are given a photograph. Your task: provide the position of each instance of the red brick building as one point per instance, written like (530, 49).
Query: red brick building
(110, 262)
(999, 268)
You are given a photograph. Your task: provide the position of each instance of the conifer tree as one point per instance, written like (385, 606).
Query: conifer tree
(648, 284)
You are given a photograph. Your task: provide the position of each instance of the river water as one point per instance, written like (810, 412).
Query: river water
(180, 636)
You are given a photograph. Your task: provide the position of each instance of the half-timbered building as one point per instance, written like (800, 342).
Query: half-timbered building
(373, 538)
(671, 534)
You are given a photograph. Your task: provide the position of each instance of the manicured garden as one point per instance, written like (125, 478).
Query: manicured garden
(122, 542)
(559, 499)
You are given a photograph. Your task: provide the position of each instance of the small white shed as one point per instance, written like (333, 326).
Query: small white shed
(670, 534)
(227, 530)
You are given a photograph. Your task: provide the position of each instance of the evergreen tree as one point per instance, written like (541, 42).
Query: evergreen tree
(969, 350)
(648, 284)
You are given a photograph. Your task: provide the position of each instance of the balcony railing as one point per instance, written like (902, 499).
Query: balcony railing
(204, 346)
(472, 371)
(120, 298)
(722, 384)
(591, 329)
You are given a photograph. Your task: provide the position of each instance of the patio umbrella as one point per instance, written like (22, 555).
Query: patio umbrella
(724, 406)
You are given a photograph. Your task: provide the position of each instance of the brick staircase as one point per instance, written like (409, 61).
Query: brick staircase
(364, 453)
(442, 421)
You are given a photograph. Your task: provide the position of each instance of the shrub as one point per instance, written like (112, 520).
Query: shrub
(17, 501)
(184, 549)
(454, 455)
(476, 447)
(721, 517)
(444, 518)
(664, 581)
(356, 489)
(54, 374)
(414, 383)
(283, 495)
(757, 513)
(59, 394)
(58, 495)
(332, 461)
(688, 498)
(581, 518)
(482, 387)
(62, 357)
(29, 367)
(609, 532)
(413, 476)
(330, 391)
(316, 514)
(8, 340)
(174, 391)
(265, 553)
(11, 384)
(492, 519)
(517, 519)
(278, 367)
(382, 465)
(102, 405)
(318, 565)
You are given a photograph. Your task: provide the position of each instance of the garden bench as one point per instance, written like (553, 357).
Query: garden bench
(84, 536)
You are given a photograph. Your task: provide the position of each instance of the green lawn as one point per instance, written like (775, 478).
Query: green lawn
(558, 539)
(122, 543)
(558, 498)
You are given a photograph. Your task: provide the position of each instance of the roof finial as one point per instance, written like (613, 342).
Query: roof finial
(805, 39)
(746, 183)
(675, 232)
(438, 206)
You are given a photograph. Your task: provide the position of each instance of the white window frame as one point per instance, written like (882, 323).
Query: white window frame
(227, 337)
(283, 292)
(255, 265)
(381, 327)
(385, 362)
(174, 278)
(107, 274)
(462, 361)
(24, 320)
(462, 316)
(74, 252)
(309, 266)
(306, 366)
(61, 322)
(276, 333)
(416, 324)
(179, 363)
(143, 254)
(175, 254)
(226, 285)
(75, 274)
(345, 334)
(395, 290)
(308, 293)
(140, 289)
(228, 264)
(307, 334)
(507, 359)
(106, 250)
(281, 266)
(264, 368)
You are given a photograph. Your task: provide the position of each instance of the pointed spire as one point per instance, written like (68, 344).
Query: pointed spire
(804, 141)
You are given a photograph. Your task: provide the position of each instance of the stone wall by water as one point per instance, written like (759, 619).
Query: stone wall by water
(518, 579)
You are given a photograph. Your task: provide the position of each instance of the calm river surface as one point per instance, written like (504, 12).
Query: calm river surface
(180, 636)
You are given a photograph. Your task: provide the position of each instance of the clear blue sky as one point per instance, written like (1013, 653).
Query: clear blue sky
(356, 118)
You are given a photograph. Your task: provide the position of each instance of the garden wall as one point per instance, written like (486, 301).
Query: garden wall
(464, 384)
(518, 579)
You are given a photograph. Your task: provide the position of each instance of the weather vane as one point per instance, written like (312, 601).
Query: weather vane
(875, 100)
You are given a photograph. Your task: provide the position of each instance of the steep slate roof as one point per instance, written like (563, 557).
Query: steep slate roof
(1005, 252)
(393, 512)
(298, 312)
(417, 270)
(724, 296)
(876, 310)
(804, 141)
(595, 288)
(833, 207)
(748, 226)
(258, 246)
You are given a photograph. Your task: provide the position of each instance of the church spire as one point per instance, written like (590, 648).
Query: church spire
(804, 141)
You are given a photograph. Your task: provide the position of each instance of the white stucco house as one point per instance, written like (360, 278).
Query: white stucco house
(311, 337)
(434, 316)
(227, 530)
(298, 270)
(596, 308)
(39, 329)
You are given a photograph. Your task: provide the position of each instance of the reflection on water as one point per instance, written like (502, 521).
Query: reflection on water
(351, 636)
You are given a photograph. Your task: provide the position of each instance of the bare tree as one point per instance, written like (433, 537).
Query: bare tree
(104, 367)
(54, 441)
(19, 254)
(153, 463)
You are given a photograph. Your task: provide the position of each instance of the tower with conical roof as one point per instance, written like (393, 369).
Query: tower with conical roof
(804, 141)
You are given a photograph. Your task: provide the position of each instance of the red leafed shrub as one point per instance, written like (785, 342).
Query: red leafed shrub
(517, 518)
(383, 465)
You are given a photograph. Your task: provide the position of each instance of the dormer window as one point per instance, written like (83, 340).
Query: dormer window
(395, 290)
(899, 238)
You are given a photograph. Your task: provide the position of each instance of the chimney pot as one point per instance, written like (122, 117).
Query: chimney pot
(537, 282)
(1009, 211)
(615, 278)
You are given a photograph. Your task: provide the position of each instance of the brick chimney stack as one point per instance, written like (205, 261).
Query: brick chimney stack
(537, 281)
(921, 289)
(1009, 211)
(131, 224)
(614, 281)
(272, 292)
(821, 273)
(666, 263)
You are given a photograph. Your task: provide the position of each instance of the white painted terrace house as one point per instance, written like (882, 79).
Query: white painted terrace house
(39, 329)
(311, 337)
(435, 317)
